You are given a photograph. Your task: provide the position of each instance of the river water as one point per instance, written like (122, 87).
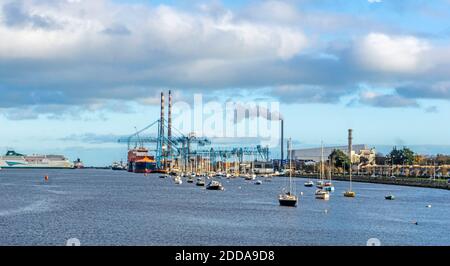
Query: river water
(105, 207)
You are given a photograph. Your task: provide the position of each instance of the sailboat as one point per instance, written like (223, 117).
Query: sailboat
(322, 193)
(309, 183)
(251, 175)
(288, 198)
(320, 182)
(328, 186)
(349, 193)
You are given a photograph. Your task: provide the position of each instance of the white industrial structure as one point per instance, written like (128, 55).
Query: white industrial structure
(314, 154)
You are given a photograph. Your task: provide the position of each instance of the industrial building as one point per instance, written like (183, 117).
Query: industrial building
(176, 151)
(314, 154)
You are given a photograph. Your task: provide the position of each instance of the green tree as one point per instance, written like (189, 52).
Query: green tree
(403, 156)
(339, 158)
(442, 159)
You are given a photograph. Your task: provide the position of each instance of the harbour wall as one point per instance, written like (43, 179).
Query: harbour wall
(399, 181)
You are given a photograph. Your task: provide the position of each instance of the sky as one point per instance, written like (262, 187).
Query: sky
(75, 75)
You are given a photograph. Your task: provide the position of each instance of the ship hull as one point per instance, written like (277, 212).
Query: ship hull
(35, 167)
(287, 203)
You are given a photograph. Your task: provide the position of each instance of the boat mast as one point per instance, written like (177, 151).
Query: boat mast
(350, 156)
(290, 166)
(331, 165)
(321, 162)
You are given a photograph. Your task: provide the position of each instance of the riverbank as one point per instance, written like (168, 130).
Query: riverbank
(398, 181)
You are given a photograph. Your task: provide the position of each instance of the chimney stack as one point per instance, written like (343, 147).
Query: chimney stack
(350, 137)
(162, 114)
(169, 132)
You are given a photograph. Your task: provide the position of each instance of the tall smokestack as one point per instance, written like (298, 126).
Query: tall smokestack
(169, 130)
(161, 130)
(350, 137)
(162, 114)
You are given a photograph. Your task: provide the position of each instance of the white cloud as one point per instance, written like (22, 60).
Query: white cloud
(159, 30)
(386, 100)
(396, 54)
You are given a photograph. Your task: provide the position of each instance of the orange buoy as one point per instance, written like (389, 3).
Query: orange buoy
(46, 178)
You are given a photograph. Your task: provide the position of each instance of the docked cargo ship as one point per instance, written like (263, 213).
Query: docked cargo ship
(139, 161)
(13, 159)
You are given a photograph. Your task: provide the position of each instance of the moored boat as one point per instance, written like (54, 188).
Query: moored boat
(288, 198)
(215, 185)
(309, 183)
(200, 182)
(322, 194)
(389, 197)
(250, 177)
(349, 194)
(328, 188)
(177, 180)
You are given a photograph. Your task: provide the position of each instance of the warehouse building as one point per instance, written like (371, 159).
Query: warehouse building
(314, 154)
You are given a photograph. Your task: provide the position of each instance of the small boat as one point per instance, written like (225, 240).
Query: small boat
(328, 188)
(349, 194)
(287, 200)
(200, 182)
(214, 185)
(250, 177)
(389, 197)
(309, 184)
(178, 180)
(162, 176)
(319, 184)
(258, 182)
(322, 194)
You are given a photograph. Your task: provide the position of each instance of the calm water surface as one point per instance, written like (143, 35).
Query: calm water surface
(105, 207)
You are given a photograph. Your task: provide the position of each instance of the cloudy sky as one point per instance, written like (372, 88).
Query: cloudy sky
(75, 74)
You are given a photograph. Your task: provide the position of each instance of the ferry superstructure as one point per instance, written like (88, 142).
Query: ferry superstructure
(13, 159)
